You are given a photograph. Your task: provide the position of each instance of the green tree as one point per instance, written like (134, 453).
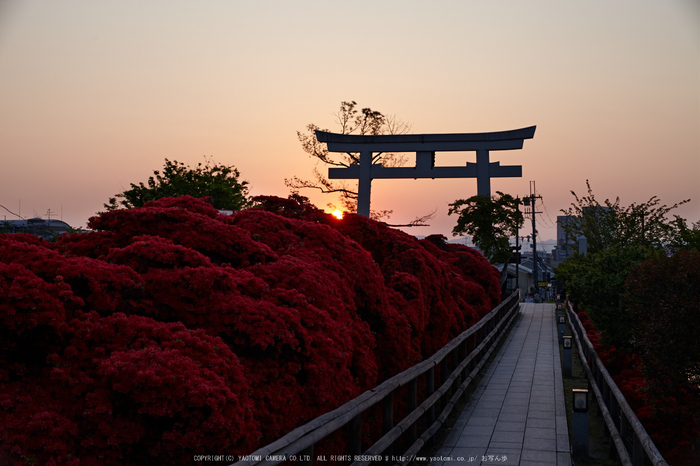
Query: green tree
(663, 297)
(351, 121)
(685, 237)
(490, 222)
(595, 281)
(610, 224)
(218, 182)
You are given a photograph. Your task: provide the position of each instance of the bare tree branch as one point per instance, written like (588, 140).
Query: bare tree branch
(418, 221)
(16, 215)
(351, 121)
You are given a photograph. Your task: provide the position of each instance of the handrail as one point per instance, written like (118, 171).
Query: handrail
(485, 334)
(622, 453)
(614, 407)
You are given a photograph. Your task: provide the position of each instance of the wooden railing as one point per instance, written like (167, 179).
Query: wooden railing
(633, 444)
(457, 364)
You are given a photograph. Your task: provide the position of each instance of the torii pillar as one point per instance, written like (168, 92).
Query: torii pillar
(425, 146)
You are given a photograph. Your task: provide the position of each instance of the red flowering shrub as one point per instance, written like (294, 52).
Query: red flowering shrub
(32, 312)
(591, 331)
(663, 298)
(153, 252)
(175, 329)
(337, 275)
(437, 310)
(120, 389)
(95, 245)
(671, 421)
(102, 286)
(470, 262)
(295, 206)
(188, 222)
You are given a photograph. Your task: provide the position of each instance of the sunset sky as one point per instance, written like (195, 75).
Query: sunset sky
(95, 95)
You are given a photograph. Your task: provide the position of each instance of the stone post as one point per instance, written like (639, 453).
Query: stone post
(579, 429)
(566, 357)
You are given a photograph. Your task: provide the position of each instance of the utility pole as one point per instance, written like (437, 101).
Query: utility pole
(530, 201)
(517, 262)
(516, 257)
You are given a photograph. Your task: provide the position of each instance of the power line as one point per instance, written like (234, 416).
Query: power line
(530, 202)
(552, 224)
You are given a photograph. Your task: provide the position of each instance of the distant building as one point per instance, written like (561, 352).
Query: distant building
(464, 240)
(36, 226)
(526, 280)
(566, 244)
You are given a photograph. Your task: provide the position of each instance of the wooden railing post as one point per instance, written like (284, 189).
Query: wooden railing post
(444, 372)
(606, 394)
(632, 444)
(624, 429)
(412, 403)
(307, 456)
(388, 419)
(453, 367)
(421, 423)
(462, 356)
(470, 349)
(430, 389)
(355, 438)
(614, 409)
(637, 451)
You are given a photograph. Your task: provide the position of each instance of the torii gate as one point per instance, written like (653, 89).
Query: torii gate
(425, 146)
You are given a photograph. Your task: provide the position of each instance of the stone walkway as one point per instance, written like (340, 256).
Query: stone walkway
(516, 415)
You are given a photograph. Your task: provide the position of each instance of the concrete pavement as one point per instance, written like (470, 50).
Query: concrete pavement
(516, 415)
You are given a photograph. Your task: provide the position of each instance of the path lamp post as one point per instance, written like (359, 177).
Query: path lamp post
(580, 423)
(562, 325)
(566, 361)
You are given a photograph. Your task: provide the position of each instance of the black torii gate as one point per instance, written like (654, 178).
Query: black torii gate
(425, 146)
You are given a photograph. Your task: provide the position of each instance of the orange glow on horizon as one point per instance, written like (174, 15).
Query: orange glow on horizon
(338, 214)
(82, 106)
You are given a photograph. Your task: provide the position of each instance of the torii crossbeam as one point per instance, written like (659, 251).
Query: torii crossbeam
(425, 146)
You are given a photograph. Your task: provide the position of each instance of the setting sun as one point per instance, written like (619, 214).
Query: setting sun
(338, 214)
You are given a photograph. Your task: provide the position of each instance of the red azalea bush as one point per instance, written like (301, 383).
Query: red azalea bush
(663, 297)
(336, 274)
(174, 329)
(436, 295)
(32, 313)
(623, 367)
(671, 421)
(99, 285)
(188, 222)
(121, 389)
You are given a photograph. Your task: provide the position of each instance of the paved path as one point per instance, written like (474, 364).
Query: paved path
(517, 411)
